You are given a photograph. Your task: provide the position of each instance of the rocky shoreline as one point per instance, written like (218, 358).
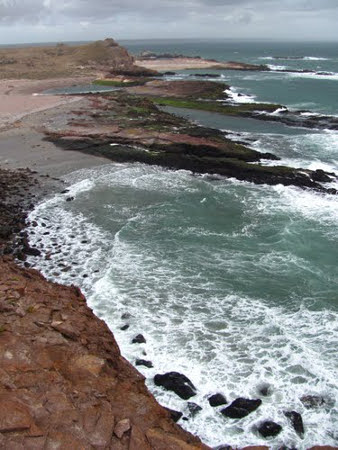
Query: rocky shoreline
(64, 383)
(127, 127)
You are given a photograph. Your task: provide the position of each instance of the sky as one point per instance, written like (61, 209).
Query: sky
(25, 21)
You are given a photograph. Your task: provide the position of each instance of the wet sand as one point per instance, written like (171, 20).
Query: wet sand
(21, 117)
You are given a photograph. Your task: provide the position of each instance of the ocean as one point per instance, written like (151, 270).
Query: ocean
(232, 284)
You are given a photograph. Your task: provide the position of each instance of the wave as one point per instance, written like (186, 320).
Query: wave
(277, 68)
(294, 58)
(315, 75)
(193, 323)
(236, 97)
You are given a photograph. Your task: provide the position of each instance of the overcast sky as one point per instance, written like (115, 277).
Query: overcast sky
(74, 20)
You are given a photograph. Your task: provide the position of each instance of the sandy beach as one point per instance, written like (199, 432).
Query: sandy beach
(22, 114)
(178, 64)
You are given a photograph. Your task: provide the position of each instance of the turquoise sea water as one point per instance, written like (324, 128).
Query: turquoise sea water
(232, 284)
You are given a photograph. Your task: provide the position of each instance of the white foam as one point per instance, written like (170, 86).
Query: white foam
(317, 75)
(222, 340)
(314, 58)
(236, 97)
(274, 67)
(304, 58)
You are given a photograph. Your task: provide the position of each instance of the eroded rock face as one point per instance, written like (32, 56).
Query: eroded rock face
(176, 382)
(63, 381)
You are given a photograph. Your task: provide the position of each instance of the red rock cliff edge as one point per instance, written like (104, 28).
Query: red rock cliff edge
(63, 381)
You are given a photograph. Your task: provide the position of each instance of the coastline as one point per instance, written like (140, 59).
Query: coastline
(80, 392)
(47, 158)
(21, 117)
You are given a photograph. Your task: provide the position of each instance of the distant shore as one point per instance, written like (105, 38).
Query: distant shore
(185, 63)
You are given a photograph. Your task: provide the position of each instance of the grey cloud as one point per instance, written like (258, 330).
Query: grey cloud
(27, 11)
(182, 17)
(100, 10)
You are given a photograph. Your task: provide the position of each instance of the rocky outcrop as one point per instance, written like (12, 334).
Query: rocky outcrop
(176, 382)
(129, 128)
(217, 400)
(63, 381)
(241, 407)
(296, 421)
(269, 429)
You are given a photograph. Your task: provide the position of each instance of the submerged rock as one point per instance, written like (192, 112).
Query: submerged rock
(312, 401)
(240, 408)
(139, 339)
(264, 389)
(296, 420)
(194, 408)
(176, 382)
(217, 400)
(269, 429)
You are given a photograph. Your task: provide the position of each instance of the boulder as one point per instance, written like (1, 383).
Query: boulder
(240, 408)
(143, 362)
(176, 382)
(269, 429)
(217, 400)
(297, 421)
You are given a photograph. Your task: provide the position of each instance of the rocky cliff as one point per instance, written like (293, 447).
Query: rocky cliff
(63, 381)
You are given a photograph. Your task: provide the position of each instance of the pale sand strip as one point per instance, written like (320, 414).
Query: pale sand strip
(179, 64)
(21, 117)
(17, 97)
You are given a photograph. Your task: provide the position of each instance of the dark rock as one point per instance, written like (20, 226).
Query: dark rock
(69, 199)
(176, 382)
(240, 408)
(125, 327)
(194, 408)
(175, 415)
(143, 362)
(65, 191)
(312, 401)
(139, 339)
(297, 421)
(169, 73)
(217, 400)
(269, 429)
(205, 75)
(31, 251)
(321, 176)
